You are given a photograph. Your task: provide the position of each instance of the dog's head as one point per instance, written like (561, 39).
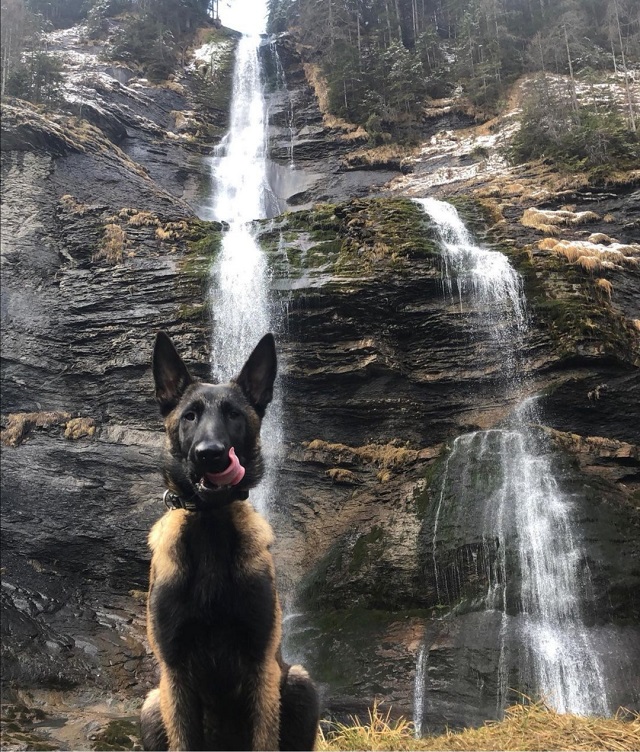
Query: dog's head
(212, 451)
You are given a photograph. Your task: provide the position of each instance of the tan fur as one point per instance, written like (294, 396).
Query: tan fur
(162, 541)
(256, 536)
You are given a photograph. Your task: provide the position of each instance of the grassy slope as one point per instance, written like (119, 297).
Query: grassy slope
(525, 727)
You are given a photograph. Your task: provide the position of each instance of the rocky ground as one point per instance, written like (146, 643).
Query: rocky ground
(102, 246)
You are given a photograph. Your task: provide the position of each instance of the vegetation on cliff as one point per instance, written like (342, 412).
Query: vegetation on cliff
(382, 60)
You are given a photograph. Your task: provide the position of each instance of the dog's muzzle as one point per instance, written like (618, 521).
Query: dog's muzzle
(233, 474)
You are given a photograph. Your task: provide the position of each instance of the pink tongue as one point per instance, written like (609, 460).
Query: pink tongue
(231, 476)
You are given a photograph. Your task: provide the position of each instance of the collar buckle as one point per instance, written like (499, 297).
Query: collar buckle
(172, 501)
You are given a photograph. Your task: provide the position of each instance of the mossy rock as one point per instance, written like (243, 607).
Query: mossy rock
(348, 239)
(118, 734)
(204, 245)
(340, 647)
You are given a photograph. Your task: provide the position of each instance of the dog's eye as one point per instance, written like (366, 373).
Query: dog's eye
(233, 413)
(189, 416)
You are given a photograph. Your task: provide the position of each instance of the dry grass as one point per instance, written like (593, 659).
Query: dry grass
(589, 263)
(600, 238)
(340, 475)
(144, 219)
(605, 286)
(385, 155)
(591, 256)
(547, 244)
(525, 727)
(70, 205)
(549, 221)
(384, 456)
(171, 230)
(114, 242)
(77, 428)
(351, 131)
(162, 234)
(20, 425)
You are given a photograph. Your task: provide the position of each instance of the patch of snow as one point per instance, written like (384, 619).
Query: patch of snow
(210, 54)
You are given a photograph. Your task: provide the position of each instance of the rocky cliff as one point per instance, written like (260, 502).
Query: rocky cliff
(102, 247)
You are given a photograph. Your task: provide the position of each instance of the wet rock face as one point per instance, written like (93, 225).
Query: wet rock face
(307, 154)
(379, 374)
(366, 418)
(89, 274)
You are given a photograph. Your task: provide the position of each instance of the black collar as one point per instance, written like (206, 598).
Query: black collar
(173, 501)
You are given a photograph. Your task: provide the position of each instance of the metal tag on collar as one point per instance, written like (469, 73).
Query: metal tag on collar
(172, 501)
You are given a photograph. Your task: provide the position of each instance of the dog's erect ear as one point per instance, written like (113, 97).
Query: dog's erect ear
(258, 374)
(169, 372)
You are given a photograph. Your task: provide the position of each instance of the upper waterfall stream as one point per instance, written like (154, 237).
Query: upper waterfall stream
(504, 478)
(239, 294)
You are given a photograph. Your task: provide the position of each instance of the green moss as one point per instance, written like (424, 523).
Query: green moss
(356, 236)
(315, 581)
(195, 312)
(422, 498)
(118, 734)
(361, 553)
(203, 251)
(341, 646)
(18, 723)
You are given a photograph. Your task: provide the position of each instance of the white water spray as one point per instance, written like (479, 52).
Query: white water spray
(525, 509)
(239, 297)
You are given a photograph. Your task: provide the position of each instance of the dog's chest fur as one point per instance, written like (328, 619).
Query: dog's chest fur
(212, 606)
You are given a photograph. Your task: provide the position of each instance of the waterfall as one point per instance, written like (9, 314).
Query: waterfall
(281, 84)
(239, 293)
(506, 477)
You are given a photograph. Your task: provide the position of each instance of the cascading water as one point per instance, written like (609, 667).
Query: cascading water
(504, 475)
(281, 83)
(239, 299)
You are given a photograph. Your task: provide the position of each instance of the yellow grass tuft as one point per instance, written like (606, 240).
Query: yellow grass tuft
(570, 252)
(582, 218)
(600, 238)
(384, 456)
(69, 204)
(547, 244)
(636, 324)
(163, 234)
(378, 155)
(548, 221)
(525, 727)
(605, 286)
(340, 475)
(144, 219)
(20, 425)
(379, 733)
(114, 241)
(589, 263)
(77, 428)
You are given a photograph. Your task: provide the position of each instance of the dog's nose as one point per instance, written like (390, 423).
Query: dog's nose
(209, 452)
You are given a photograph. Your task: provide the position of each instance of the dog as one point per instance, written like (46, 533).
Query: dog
(213, 616)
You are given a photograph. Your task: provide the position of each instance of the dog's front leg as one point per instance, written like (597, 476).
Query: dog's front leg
(181, 713)
(266, 708)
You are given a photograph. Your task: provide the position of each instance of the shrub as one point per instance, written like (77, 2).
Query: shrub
(596, 141)
(144, 40)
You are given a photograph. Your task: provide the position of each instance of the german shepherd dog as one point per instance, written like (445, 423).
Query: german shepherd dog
(213, 616)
